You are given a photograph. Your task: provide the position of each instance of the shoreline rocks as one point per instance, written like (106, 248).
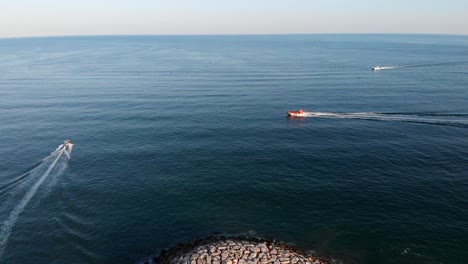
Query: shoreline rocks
(235, 250)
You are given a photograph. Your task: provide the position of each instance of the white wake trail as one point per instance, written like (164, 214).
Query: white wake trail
(433, 119)
(363, 115)
(7, 226)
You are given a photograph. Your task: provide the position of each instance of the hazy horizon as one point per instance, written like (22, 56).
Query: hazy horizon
(227, 34)
(26, 18)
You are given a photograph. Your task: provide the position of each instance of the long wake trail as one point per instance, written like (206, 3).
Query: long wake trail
(442, 119)
(7, 226)
(421, 65)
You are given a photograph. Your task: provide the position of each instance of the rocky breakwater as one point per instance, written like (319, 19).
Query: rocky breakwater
(235, 251)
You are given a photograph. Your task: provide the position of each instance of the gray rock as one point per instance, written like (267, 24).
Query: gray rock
(255, 249)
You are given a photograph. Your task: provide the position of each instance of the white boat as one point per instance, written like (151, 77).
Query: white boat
(66, 147)
(377, 68)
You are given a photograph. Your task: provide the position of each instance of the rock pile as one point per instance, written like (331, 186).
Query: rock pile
(214, 250)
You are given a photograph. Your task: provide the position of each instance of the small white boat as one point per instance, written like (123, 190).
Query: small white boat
(377, 68)
(66, 144)
(66, 147)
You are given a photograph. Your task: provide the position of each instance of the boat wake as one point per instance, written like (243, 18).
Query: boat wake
(442, 119)
(55, 164)
(379, 68)
(434, 64)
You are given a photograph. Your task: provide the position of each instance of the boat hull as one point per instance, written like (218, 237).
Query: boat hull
(296, 114)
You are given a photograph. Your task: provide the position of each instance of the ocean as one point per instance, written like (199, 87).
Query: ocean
(179, 137)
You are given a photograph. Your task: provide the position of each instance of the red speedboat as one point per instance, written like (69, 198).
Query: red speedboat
(299, 113)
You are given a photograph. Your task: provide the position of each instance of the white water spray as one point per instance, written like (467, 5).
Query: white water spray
(7, 226)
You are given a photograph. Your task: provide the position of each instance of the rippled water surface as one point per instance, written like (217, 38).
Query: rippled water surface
(177, 137)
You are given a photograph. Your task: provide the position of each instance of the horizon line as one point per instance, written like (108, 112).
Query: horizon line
(229, 34)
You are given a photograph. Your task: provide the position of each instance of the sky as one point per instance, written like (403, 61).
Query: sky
(19, 18)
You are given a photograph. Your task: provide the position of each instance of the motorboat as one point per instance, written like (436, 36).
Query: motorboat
(299, 113)
(66, 148)
(66, 144)
(377, 68)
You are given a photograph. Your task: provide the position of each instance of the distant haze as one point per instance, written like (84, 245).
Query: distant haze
(118, 17)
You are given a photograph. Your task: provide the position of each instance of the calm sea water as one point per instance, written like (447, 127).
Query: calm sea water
(177, 137)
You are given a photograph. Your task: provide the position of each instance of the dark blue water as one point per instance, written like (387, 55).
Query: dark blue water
(177, 137)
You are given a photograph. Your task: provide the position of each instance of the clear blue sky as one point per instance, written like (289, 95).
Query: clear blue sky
(104, 17)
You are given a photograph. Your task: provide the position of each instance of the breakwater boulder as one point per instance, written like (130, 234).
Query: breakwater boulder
(235, 250)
